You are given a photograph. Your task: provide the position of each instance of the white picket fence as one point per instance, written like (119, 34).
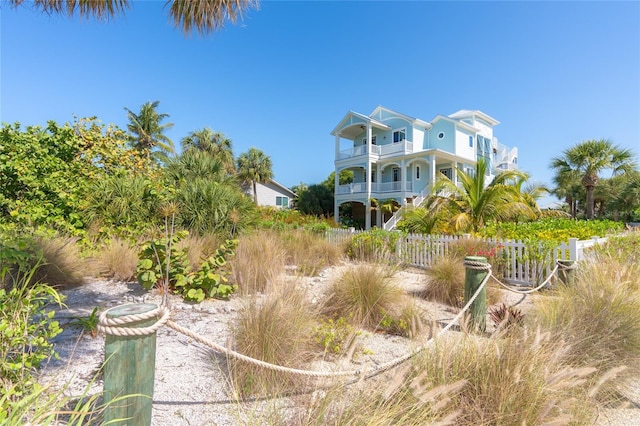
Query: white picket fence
(518, 262)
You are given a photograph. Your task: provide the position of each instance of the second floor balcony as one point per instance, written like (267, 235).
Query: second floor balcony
(404, 147)
(376, 188)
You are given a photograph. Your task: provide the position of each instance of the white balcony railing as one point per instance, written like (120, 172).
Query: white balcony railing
(360, 187)
(403, 147)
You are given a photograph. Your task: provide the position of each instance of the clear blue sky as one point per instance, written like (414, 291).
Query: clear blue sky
(553, 74)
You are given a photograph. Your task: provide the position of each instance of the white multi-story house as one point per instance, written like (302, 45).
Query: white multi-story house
(395, 156)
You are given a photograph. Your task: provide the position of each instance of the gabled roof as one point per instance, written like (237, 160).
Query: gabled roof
(464, 113)
(348, 116)
(284, 188)
(459, 123)
(414, 120)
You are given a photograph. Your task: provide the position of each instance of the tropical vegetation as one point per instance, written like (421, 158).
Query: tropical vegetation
(582, 164)
(202, 16)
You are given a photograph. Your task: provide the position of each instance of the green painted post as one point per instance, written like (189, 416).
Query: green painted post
(478, 309)
(129, 369)
(566, 271)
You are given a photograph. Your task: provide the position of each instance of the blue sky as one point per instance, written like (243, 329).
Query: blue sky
(553, 73)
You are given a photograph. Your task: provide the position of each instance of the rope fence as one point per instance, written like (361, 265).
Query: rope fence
(117, 327)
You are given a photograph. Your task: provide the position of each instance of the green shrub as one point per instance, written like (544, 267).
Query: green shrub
(26, 330)
(163, 264)
(335, 336)
(373, 246)
(552, 229)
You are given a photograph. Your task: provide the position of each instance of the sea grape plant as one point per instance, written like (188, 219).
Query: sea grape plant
(163, 263)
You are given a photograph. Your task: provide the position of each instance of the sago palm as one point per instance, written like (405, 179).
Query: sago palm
(203, 16)
(474, 203)
(254, 167)
(589, 159)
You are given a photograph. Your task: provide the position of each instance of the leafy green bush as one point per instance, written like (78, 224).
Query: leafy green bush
(26, 330)
(334, 335)
(552, 229)
(163, 263)
(373, 245)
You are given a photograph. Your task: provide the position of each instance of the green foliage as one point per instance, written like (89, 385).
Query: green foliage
(45, 173)
(161, 261)
(552, 229)
(26, 330)
(374, 244)
(88, 324)
(16, 253)
(335, 335)
(316, 200)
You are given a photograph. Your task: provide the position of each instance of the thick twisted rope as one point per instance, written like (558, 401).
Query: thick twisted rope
(544, 283)
(107, 326)
(112, 326)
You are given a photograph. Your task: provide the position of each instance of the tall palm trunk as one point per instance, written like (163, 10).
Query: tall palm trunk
(590, 180)
(255, 192)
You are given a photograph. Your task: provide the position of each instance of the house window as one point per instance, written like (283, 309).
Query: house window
(447, 172)
(396, 174)
(373, 175)
(470, 141)
(417, 172)
(282, 201)
(373, 140)
(441, 135)
(399, 136)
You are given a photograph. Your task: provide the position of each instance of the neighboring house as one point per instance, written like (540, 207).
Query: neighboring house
(397, 157)
(273, 194)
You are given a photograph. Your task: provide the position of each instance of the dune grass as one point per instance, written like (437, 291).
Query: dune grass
(366, 296)
(258, 262)
(309, 252)
(276, 328)
(62, 264)
(445, 283)
(117, 258)
(599, 316)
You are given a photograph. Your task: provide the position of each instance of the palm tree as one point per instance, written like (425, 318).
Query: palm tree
(147, 132)
(253, 167)
(474, 203)
(567, 186)
(214, 143)
(589, 159)
(204, 16)
(530, 192)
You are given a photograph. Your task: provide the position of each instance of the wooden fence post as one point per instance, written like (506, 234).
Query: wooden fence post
(129, 369)
(473, 279)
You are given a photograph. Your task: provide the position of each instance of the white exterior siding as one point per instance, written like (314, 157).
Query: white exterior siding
(269, 194)
(462, 145)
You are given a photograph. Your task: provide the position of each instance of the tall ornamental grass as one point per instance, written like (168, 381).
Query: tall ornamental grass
(258, 263)
(599, 316)
(365, 295)
(276, 328)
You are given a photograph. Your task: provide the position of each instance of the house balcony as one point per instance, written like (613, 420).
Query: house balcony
(376, 188)
(404, 147)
